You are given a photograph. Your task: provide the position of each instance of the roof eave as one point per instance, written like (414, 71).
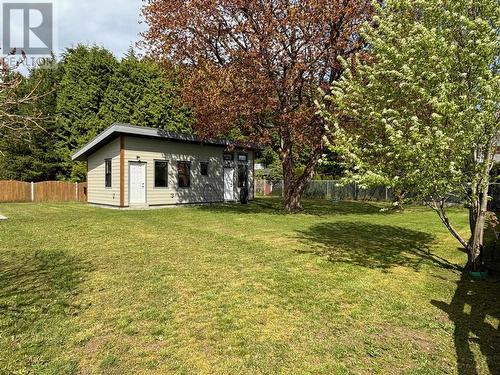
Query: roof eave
(115, 129)
(81, 154)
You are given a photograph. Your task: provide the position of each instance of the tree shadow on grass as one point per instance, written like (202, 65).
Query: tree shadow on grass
(371, 245)
(474, 308)
(274, 206)
(37, 298)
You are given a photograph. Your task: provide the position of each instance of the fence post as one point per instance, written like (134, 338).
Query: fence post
(76, 191)
(327, 189)
(32, 191)
(386, 194)
(283, 188)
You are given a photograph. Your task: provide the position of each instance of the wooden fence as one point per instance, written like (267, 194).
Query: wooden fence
(47, 191)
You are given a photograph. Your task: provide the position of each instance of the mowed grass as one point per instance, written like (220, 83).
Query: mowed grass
(229, 289)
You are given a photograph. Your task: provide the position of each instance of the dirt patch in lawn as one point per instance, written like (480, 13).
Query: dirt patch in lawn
(405, 334)
(95, 344)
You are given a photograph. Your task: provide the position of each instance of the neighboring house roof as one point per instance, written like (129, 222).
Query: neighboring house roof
(141, 131)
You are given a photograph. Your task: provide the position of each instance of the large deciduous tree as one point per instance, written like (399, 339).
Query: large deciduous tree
(14, 122)
(255, 67)
(424, 112)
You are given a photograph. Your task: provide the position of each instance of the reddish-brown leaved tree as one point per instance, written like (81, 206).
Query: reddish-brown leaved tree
(256, 66)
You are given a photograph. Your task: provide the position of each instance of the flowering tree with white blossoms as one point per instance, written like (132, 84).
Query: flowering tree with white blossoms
(423, 113)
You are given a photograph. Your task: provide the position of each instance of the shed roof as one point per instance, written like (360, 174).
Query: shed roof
(141, 131)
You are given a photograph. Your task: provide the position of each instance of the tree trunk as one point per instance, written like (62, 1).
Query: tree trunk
(478, 209)
(477, 215)
(293, 200)
(478, 199)
(399, 196)
(294, 186)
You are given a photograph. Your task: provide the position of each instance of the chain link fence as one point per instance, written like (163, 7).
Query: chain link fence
(331, 189)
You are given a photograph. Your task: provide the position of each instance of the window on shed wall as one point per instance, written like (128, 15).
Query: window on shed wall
(243, 157)
(107, 173)
(161, 173)
(184, 174)
(204, 168)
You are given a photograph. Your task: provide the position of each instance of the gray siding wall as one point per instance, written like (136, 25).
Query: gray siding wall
(96, 190)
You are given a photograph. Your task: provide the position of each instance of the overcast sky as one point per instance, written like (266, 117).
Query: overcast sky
(113, 24)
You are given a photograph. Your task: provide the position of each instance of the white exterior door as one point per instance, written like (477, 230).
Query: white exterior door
(137, 183)
(229, 184)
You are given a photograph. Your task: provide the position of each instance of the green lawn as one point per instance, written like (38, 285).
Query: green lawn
(338, 289)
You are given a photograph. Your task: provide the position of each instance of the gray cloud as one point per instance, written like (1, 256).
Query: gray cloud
(113, 24)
